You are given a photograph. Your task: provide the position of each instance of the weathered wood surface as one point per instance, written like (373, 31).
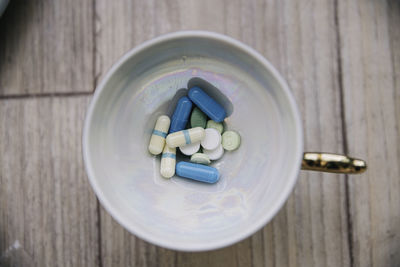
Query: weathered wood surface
(46, 47)
(48, 213)
(370, 46)
(341, 59)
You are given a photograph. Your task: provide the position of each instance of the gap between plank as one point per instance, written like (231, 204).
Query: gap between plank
(99, 238)
(43, 95)
(95, 78)
(344, 131)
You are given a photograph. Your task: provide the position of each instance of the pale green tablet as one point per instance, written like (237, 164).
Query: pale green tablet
(230, 140)
(200, 158)
(198, 118)
(215, 125)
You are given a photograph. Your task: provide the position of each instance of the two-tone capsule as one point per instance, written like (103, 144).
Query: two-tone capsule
(168, 160)
(160, 131)
(198, 172)
(185, 137)
(181, 115)
(207, 104)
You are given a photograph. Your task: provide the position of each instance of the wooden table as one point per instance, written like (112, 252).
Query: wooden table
(340, 57)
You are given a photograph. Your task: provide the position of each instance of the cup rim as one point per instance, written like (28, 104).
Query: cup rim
(293, 174)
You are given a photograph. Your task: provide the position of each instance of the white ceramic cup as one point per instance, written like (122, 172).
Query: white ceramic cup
(256, 179)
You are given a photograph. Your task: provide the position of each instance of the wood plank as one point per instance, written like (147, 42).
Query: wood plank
(48, 212)
(46, 47)
(370, 62)
(394, 35)
(299, 38)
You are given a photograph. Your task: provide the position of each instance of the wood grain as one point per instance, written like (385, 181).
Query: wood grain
(46, 47)
(48, 212)
(341, 59)
(300, 40)
(370, 56)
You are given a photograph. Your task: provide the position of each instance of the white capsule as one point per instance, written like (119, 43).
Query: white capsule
(160, 131)
(168, 161)
(185, 137)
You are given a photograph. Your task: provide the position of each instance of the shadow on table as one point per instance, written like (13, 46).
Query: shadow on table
(14, 23)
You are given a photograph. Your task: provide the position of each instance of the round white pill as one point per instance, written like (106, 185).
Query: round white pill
(211, 140)
(190, 149)
(215, 153)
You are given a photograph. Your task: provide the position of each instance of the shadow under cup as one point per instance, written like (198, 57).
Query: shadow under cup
(182, 214)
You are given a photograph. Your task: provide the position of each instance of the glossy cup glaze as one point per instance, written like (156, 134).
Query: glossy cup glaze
(181, 214)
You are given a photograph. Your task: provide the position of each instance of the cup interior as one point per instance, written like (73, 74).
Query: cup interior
(177, 213)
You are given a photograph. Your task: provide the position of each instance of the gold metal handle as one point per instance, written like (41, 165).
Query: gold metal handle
(335, 163)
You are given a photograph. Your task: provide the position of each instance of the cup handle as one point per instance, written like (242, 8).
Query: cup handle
(327, 162)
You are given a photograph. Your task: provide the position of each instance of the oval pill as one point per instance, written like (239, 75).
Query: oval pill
(211, 140)
(216, 125)
(181, 114)
(189, 150)
(216, 153)
(200, 158)
(198, 118)
(185, 137)
(230, 140)
(208, 105)
(168, 160)
(197, 172)
(157, 140)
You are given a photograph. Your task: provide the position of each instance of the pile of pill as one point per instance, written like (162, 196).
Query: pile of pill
(204, 141)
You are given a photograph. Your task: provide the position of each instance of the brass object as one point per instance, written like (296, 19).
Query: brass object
(335, 163)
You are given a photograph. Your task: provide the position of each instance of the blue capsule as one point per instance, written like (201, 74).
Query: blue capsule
(197, 172)
(208, 105)
(181, 115)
